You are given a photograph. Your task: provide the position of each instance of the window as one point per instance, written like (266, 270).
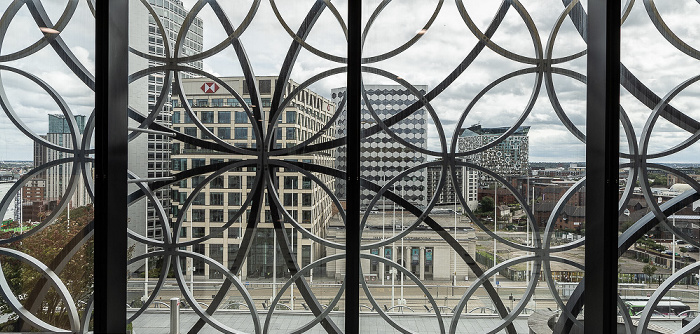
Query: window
(241, 117)
(234, 182)
(199, 199)
(196, 180)
(234, 199)
(199, 163)
(216, 215)
(216, 253)
(201, 103)
(186, 118)
(217, 102)
(176, 116)
(197, 263)
(278, 133)
(191, 131)
(232, 252)
(265, 86)
(205, 135)
(216, 199)
(231, 102)
(175, 104)
(224, 117)
(232, 213)
(291, 117)
(224, 133)
(249, 181)
(198, 215)
(306, 199)
(179, 164)
(305, 255)
(197, 232)
(267, 102)
(291, 199)
(306, 216)
(305, 182)
(291, 133)
(217, 182)
(206, 117)
(233, 232)
(291, 182)
(240, 133)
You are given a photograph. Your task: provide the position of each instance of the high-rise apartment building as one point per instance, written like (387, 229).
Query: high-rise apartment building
(510, 157)
(467, 184)
(221, 199)
(383, 157)
(507, 158)
(40, 156)
(58, 177)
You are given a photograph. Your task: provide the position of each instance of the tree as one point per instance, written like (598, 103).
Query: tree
(486, 204)
(649, 270)
(47, 246)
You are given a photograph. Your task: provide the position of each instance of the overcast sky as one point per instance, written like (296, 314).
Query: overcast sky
(644, 51)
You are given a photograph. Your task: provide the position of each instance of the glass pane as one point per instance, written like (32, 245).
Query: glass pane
(46, 170)
(474, 162)
(658, 268)
(248, 231)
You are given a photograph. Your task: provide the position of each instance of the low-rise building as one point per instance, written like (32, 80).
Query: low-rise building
(423, 252)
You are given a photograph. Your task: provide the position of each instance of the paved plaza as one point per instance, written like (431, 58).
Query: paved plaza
(158, 321)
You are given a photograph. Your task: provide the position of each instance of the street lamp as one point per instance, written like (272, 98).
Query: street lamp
(495, 222)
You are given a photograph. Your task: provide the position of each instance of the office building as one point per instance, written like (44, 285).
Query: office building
(221, 199)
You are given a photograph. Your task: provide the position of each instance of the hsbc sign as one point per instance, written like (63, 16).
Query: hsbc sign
(210, 87)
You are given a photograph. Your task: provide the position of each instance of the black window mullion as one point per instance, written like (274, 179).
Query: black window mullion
(352, 241)
(111, 150)
(602, 165)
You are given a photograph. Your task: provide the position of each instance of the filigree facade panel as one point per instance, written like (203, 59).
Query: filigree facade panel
(47, 98)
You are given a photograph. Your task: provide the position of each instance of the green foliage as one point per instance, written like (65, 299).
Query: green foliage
(486, 205)
(46, 246)
(649, 270)
(650, 244)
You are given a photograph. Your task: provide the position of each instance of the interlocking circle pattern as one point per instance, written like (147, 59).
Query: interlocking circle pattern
(538, 63)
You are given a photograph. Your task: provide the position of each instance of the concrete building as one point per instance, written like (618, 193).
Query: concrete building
(422, 252)
(384, 157)
(58, 177)
(217, 202)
